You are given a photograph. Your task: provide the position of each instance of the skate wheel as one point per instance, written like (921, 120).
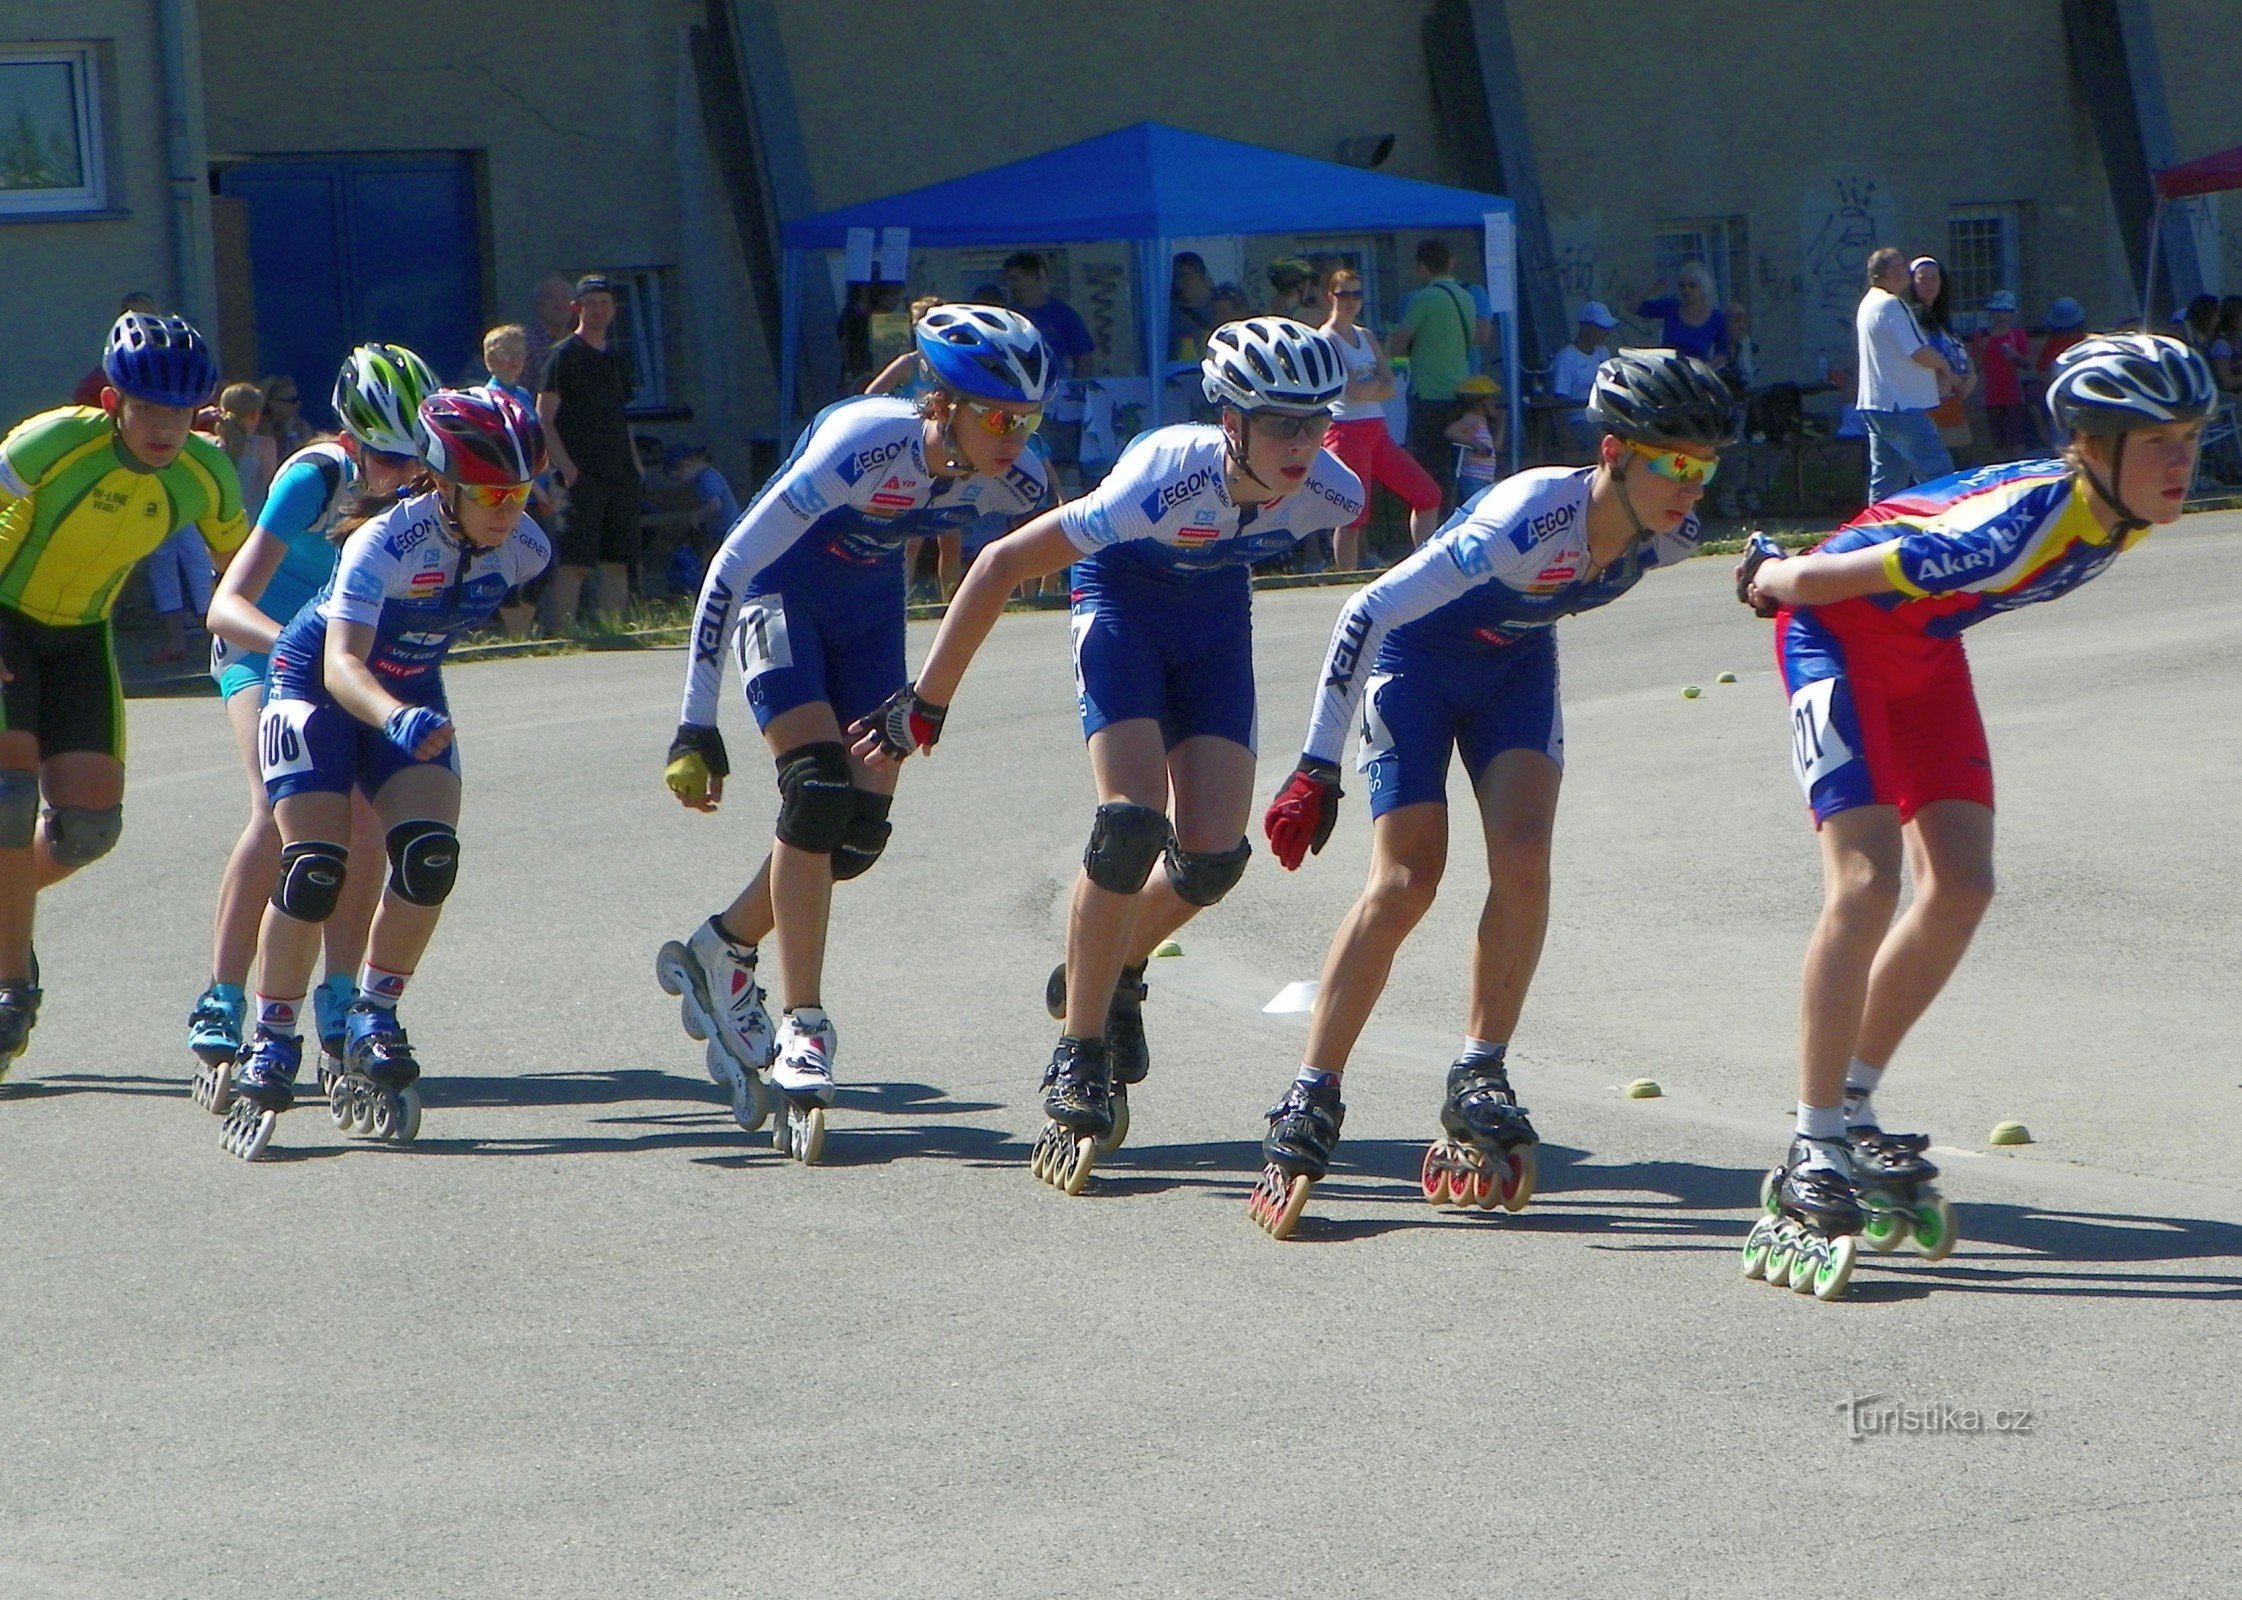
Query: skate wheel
(1883, 1230)
(1112, 1138)
(1835, 1268)
(669, 968)
(247, 1131)
(1767, 1187)
(1437, 1173)
(1934, 1229)
(1779, 1251)
(338, 1105)
(1075, 1174)
(1757, 1244)
(1811, 1256)
(1519, 1173)
(809, 1135)
(1278, 1199)
(1055, 993)
(364, 1111)
(404, 1124)
(750, 1104)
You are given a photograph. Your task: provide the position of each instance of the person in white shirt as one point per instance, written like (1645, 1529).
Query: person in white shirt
(1899, 373)
(1572, 373)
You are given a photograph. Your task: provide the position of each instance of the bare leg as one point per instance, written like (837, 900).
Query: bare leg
(1860, 891)
(1950, 857)
(401, 930)
(1129, 766)
(19, 869)
(1518, 810)
(1423, 525)
(1212, 780)
(566, 595)
(1346, 549)
(344, 933)
(286, 946)
(79, 778)
(798, 884)
(1408, 851)
(614, 593)
(255, 861)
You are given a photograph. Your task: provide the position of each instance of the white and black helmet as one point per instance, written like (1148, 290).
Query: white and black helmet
(2117, 381)
(1662, 397)
(1272, 364)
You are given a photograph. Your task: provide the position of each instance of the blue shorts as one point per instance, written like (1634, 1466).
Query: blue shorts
(316, 747)
(1419, 705)
(844, 648)
(1181, 655)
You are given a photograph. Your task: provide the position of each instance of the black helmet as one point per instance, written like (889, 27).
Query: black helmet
(2118, 381)
(1663, 397)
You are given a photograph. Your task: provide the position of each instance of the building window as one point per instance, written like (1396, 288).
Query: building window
(50, 131)
(1721, 243)
(642, 332)
(1984, 255)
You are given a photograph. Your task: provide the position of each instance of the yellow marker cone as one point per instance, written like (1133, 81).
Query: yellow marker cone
(1168, 947)
(2012, 1133)
(1691, 692)
(1643, 1089)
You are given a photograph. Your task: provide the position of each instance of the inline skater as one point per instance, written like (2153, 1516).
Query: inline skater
(1889, 748)
(85, 493)
(811, 581)
(1455, 649)
(290, 555)
(1163, 649)
(356, 701)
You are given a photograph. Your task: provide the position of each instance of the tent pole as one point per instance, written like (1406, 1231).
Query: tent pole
(1510, 371)
(2148, 278)
(790, 339)
(1155, 259)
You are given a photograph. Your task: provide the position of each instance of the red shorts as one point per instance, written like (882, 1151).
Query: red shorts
(1368, 451)
(1881, 714)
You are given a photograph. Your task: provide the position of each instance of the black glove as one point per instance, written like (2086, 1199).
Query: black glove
(1759, 549)
(904, 723)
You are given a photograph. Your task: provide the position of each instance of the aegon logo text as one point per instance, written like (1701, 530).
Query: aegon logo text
(874, 459)
(1170, 495)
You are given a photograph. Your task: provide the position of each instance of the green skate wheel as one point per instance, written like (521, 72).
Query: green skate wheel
(1934, 1229)
(1756, 1245)
(1835, 1268)
(1812, 1254)
(1779, 1253)
(1767, 1202)
(1883, 1230)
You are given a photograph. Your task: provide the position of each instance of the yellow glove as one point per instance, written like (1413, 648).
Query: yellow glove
(696, 761)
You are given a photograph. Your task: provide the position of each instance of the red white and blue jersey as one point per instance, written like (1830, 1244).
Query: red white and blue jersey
(1504, 570)
(831, 523)
(1164, 512)
(1968, 546)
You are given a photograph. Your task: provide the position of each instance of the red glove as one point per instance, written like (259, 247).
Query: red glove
(1301, 818)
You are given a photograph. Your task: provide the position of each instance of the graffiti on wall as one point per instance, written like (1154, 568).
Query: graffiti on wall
(1839, 222)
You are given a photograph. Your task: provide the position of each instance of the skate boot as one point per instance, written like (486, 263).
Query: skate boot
(1805, 1237)
(330, 1003)
(802, 1073)
(19, 1014)
(1303, 1130)
(214, 1035)
(720, 1002)
(1078, 1100)
(1487, 1158)
(376, 1097)
(263, 1086)
(1898, 1197)
(1125, 1048)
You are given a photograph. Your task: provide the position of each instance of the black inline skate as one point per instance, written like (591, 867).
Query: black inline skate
(262, 1087)
(1125, 1049)
(376, 1097)
(1078, 1100)
(1487, 1158)
(1303, 1131)
(1804, 1239)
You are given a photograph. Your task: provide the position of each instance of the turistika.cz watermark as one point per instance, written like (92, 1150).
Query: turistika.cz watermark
(1879, 1416)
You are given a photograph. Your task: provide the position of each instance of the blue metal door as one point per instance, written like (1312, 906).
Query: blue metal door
(349, 249)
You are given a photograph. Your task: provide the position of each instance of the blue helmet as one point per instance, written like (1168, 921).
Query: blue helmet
(989, 352)
(161, 360)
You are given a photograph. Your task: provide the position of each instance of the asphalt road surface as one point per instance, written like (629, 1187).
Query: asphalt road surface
(587, 1338)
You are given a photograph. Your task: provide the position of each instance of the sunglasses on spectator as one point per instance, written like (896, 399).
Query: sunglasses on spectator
(1284, 429)
(494, 496)
(1346, 294)
(1001, 423)
(1677, 466)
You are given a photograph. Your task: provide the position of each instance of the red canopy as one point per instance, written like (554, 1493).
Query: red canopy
(2206, 175)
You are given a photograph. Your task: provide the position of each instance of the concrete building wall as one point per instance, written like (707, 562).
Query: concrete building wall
(61, 278)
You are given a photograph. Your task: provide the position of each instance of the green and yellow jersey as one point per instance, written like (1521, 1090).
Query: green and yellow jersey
(78, 513)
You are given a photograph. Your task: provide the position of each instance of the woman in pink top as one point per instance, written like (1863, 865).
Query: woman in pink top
(1358, 435)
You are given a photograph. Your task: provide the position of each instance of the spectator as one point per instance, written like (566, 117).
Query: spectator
(284, 421)
(1291, 282)
(1478, 432)
(902, 375)
(1899, 373)
(2066, 325)
(2226, 349)
(505, 354)
(1359, 436)
(552, 319)
(1190, 306)
(241, 411)
(1227, 306)
(1689, 321)
(1439, 326)
(2199, 323)
(1027, 286)
(88, 392)
(582, 398)
(715, 507)
(1742, 371)
(2004, 356)
(1572, 372)
(1930, 300)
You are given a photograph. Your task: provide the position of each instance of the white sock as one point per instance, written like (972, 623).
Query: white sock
(1484, 1047)
(1861, 1080)
(277, 1014)
(1314, 1077)
(378, 986)
(1820, 1122)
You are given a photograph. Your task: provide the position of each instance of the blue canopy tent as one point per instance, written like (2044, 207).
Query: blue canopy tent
(1150, 183)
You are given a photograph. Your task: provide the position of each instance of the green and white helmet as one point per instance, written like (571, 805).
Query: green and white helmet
(378, 393)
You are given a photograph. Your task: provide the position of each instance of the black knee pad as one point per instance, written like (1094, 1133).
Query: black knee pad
(1203, 877)
(311, 879)
(423, 862)
(816, 797)
(866, 837)
(80, 835)
(1125, 840)
(19, 809)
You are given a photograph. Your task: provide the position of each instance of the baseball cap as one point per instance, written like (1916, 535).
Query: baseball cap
(2066, 313)
(2001, 300)
(1598, 314)
(593, 283)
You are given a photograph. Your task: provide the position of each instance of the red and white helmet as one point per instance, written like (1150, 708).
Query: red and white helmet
(481, 436)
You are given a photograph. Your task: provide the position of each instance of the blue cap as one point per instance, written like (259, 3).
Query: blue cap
(2066, 313)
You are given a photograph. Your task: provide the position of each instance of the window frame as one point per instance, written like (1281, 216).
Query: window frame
(643, 329)
(2008, 217)
(1730, 264)
(91, 194)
